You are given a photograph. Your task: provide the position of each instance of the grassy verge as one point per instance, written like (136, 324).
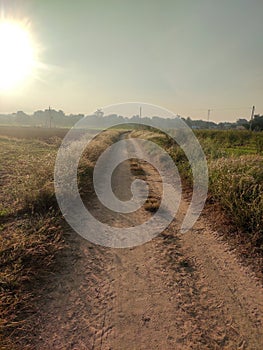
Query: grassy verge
(236, 183)
(235, 163)
(171, 147)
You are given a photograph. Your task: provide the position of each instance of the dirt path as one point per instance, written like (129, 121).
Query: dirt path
(178, 291)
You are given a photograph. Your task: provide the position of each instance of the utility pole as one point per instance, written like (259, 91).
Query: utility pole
(50, 117)
(252, 116)
(140, 112)
(253, 112)
(208, 117)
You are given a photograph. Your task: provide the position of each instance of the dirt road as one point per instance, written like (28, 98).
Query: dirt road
(178, 291)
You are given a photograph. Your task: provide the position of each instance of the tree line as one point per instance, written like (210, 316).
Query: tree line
(50, 118)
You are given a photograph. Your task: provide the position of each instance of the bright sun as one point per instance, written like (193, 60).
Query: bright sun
(16, 54)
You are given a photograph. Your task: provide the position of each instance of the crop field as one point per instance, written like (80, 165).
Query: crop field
(34, 133)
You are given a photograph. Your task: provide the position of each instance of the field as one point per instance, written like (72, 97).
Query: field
(32, 228)
(30, 222)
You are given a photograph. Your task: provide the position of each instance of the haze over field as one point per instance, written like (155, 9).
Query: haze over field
(186, 56)
(131, 178)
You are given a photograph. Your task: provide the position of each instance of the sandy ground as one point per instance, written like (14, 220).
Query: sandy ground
(178, 291)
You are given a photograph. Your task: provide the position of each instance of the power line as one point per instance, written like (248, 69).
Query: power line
(220, 109)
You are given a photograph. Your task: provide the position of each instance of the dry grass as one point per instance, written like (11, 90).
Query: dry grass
(28, 247)
(34, 133)
(31, 224)
(237, 184)
(26, 174)
(30, 227)
(235, 165)
(136, 168)
(30, 220)
(152, 204)
(235, 168)
(90, 155)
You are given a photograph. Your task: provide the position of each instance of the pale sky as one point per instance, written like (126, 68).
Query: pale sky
(185, 55)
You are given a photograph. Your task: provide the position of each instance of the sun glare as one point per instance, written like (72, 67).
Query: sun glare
(16, 54)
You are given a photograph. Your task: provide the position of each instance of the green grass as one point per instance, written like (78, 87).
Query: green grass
(235, 164)
(224, 143)
(235, 161)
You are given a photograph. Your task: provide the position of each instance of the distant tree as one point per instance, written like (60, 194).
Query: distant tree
(257, 123)
(22, 118)
(242, 121)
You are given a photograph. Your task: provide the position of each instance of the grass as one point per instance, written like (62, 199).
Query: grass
(31, 225)
(152, 204)
(171, 147)
(235, 164)
(27, 172)
(90, 156)
(237, 184)
(33, 133)
(31, 232)
(225, 143)
(136, 168)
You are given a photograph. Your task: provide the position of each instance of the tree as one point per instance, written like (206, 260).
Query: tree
(257, 123)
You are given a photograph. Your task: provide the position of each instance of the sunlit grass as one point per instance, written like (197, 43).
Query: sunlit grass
(30, 224)
(30, 221)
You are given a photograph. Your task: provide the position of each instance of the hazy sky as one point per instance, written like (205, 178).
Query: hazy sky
(184, 55)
